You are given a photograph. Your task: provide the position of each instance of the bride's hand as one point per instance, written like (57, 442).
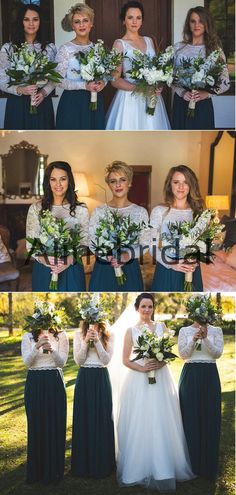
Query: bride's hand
(153, 365)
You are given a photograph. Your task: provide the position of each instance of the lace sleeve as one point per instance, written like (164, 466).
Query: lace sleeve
(80, 348)
(32, 224)
(215, 348)
(156, 220)
(225, 82)
(28, 353)
(185, 349)
(84, 224)
(93, 223)
(144, 239)
(4, 65)
(4, 255)
(62, 59)
(105, 355)
(51, 54)
(60, 356)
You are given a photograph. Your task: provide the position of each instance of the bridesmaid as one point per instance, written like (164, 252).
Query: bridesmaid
(73, 110)
(29, 29)
(119, 179)
(93, 451)
(199, 38)
(59, 197)
(200, 396)
(45, 403)
(128, 111)
(182, 201)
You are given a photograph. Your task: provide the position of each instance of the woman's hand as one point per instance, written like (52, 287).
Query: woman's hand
(100, 85)
(91, 335)
(201, 95)
(44, 342)
(124, 258)
(197, 335)
(58, 265)
(159, 91)
(184, 267)
(188, 95)
(95, 86)
(153, 365)
(27, 90)
(39, 97)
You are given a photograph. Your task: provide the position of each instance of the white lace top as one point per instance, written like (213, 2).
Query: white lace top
(5, 64)
(128, 51)
(95, 357)
(211, 347)
(137, 215)
(159, 219)
(185, 50)
(81, 217)
(36, 359)
(4, 255)
(68, 65)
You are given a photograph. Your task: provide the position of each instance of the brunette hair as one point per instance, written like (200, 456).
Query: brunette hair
(105, 335)
(194, 197)
(144, 295)
(211, 39)
(78, 8)
(131, 5)
(70, 195)
(18, 34)
(118, 166)
(36, 333)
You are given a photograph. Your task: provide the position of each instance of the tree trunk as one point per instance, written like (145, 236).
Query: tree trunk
(10, 315)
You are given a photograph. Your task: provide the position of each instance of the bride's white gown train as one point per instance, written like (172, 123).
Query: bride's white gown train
(152, 449)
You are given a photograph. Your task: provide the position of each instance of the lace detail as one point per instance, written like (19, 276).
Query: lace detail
(183, 50)
(95, 357)
(137, 215)
(4, 255)
(211, 346)
(68, 64)
(159, 219)
(81, 217)
(5, 64)
(35, 358)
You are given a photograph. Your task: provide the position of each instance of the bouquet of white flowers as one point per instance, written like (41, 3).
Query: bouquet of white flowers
(98, 64)
(91, 311)
(114, 234)
(30, 67)
(200, 73)
(56, 240)
(150, 346)
(45, 317)
(202, 310)
(196, 240)
(150, 73)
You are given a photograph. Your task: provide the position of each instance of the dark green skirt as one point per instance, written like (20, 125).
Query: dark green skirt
(45, 404)
(168, 280)
(71, 280)
(203, 116)
(17, 115)
(93, 450)
(200, 402)
(103, 277)
(73, 112)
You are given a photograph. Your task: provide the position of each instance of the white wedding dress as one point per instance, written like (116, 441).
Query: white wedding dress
(151, 448)
(128, 111)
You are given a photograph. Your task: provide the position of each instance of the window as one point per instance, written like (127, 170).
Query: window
(223, 12)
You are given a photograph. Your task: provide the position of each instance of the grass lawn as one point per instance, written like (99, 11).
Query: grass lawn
(14, 435)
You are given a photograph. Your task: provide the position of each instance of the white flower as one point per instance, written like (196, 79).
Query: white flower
(159, 356)
(210, 80)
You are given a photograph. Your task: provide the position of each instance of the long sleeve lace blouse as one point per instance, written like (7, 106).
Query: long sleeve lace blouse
(211, 347)
(185, 50)
(68, 65)
(137, 214)
(35, 358)
(81, 218)
(160, 217)
(50, 51)
(91, 357)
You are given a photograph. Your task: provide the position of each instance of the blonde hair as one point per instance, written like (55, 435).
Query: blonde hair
(78, 8)
(118, 166)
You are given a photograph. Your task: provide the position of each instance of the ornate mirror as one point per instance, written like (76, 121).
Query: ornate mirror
(23, 170)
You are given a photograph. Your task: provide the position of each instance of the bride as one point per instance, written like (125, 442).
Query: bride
(151, 446)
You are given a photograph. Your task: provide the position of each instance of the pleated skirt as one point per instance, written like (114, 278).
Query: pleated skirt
(71, 280)
(103, 277)
(45, 403)
(203, 117)
(93, 449)
(168, 280)
(73, 112)
(17, 115)
(200, 402)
